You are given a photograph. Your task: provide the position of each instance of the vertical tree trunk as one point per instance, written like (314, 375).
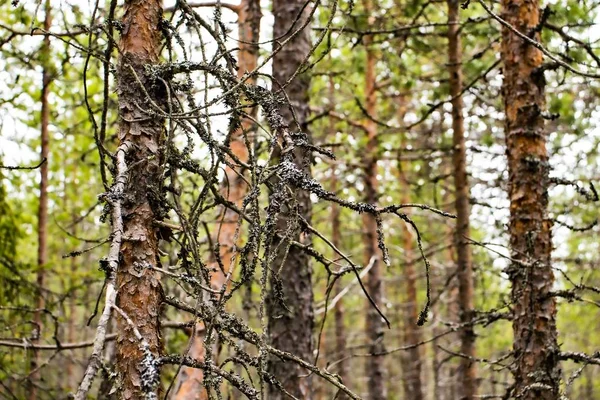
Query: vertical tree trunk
(374, 368)
(74, 322)
(340, 326)
(536, 370)
(69, 279)
(139, 290)
(42, 253)
(290, 327)
(467, 373)
(189, 382)
(411, 368)
(336, 239)
(413, 386)
(449, 369)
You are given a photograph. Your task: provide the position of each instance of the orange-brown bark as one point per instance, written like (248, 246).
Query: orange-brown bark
(411, 368)
(536, 370)
(374, 368)
(467, 373)
(139, 290)
(189, 384)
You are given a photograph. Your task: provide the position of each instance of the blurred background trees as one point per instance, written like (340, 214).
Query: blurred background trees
(282, 144)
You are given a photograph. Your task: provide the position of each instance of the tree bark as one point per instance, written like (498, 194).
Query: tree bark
(413, 385)
(290, 324)
(340, 326)
(189, 383)
(42, 253)
(412, 360)
(139, 289)
(536, 370)
(71, 364)
(374, 368)
(467, 372)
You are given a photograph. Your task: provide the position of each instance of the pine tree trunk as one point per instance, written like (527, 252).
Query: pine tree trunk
(413, 386)
(412, 360)
(374, 368)
(536, 370)
(42, 253)
(340, 326)
(467, 373)
(139, 289)
(290, 327)
(71, 364)
(189, 384)
(336, 239)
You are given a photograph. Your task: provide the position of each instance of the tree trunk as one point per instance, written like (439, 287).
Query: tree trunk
(467, 373)
(374, 368)
(340, 326)
(42, 254)
(411, 369)
(139, 290)
(412, 361)
(189, 384)
(72, 324)
(536, 370)
(336, 239)
(413, 386)
(290, 326)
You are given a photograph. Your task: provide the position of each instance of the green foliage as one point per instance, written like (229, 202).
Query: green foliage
(415, 166)
(10, 233)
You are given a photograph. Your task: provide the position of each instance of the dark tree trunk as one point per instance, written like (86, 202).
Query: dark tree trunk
(467, 373)
(536, 370)
(139, 290)
(290, 326)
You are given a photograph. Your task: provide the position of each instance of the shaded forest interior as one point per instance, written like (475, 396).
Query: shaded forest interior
(299, 199)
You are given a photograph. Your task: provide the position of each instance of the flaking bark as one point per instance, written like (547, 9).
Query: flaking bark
(139, 290)
(536, 370)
